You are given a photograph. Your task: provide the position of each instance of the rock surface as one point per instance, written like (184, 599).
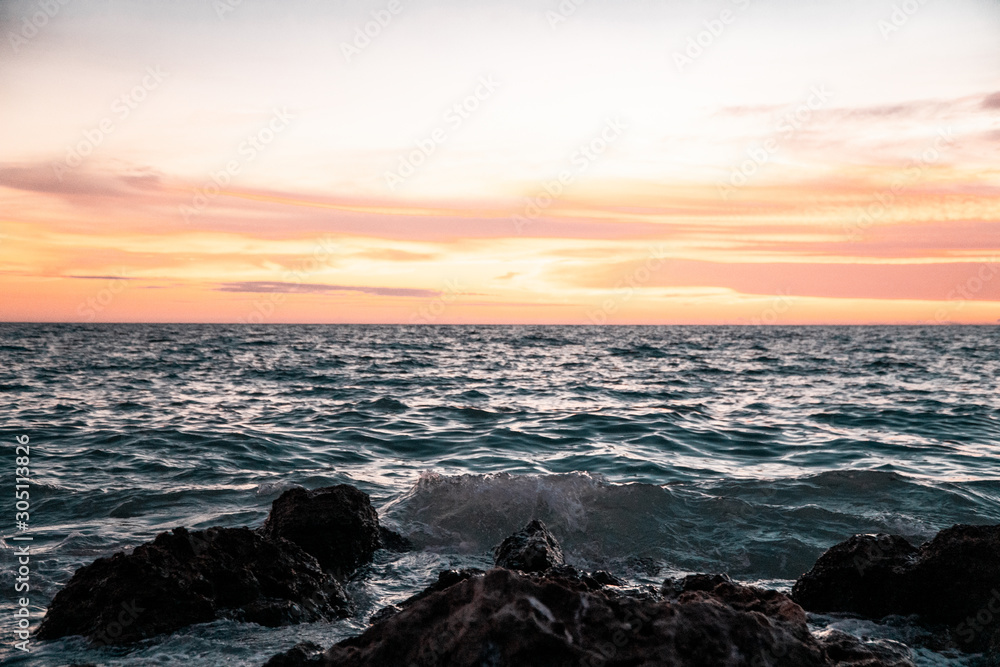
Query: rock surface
(504, 618)
(952, 580)
(185, 577)
(532, 549)
(336, 524)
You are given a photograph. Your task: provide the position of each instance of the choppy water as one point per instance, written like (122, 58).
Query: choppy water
(648, 450)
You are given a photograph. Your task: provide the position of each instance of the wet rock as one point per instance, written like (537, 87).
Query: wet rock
(393, 541)
(445, 579)
(861, 575)
(601, 578)
(694, 582)
(505, 617)
(957, 575)
(847, 650)
(720, 588)
(285, 572)
(952, 580)
(306, 653)
(383, 613)
(186, 577)
(532, 549)
(336, 524)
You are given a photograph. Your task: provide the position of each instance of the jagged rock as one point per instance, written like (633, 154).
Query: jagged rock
(719, 587)
(445, 579)
(693, 582)
(335, 524)
(393, 541)
(306, 653)
(601, 578)
(186, 577)
(383, 613)
(952, 580)
(504, 618)
(847, 650)
(532, 549)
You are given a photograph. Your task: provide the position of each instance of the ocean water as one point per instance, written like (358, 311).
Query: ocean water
(649, 451)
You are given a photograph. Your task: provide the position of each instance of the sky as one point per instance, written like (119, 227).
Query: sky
(478, 161)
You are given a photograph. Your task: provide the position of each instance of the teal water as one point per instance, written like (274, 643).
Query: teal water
(650, 451)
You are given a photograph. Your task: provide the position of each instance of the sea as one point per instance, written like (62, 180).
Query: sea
(649, 451)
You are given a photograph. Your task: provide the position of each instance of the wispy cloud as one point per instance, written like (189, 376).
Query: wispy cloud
(275, 287)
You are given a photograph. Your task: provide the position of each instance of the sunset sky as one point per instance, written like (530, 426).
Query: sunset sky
(583, 161)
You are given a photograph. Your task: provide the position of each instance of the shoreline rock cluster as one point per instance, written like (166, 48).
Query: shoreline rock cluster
(544, 612)
(531, 608)
(951, 583)
(291, 570)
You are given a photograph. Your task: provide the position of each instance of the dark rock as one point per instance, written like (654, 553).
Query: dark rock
(393, 541)
(533, 549)
(601, 578)
(847, 650)
(693, 582)
(742, 598)
(957, 574)
(861, 575)
(953, 580)
(504, 617)
(446, 578)
(643, 565)
(336, 524)
(183, 577)
(383, 613)
(306, 653)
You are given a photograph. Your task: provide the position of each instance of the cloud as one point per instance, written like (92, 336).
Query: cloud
(992, 101)
(58, 179)
(100, 278)
(396, 255)
(974, 281)
(276, 287)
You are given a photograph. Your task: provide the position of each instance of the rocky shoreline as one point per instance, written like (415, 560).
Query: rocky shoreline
(531, 608)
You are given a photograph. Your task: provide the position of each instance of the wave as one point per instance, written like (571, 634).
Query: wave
(756, 529)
